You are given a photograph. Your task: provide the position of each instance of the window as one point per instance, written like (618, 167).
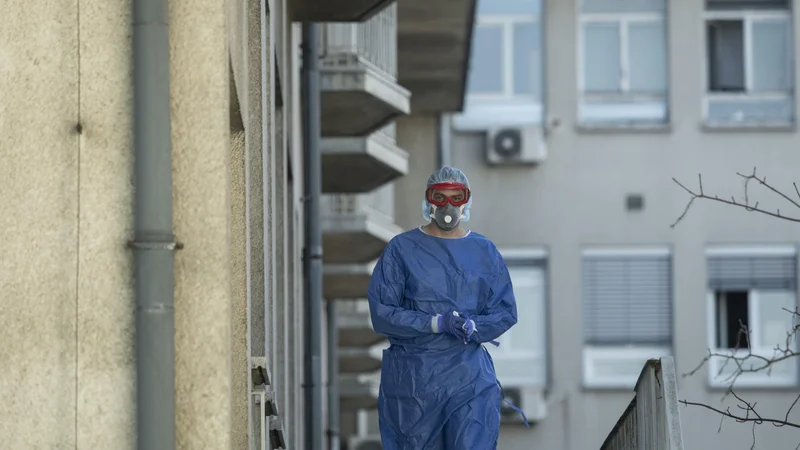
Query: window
(749, 293)
(505, 77)
(749, 68)
(521, 358)
(623, 59)
(627, 313)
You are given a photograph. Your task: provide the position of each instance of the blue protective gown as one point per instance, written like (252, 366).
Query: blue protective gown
(436, 392)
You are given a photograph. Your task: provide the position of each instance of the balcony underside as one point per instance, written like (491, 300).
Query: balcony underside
(353, 360)
(355, 239)
(434, 41)
(358, 392)
(346, 281)
(360, 164)
(336, 10)
(358, 99)
(355, 328)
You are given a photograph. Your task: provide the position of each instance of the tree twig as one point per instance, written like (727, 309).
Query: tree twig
(700, 194)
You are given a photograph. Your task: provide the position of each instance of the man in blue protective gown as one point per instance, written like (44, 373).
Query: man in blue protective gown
(439, 292)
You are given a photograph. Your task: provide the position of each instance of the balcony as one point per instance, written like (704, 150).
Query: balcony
(345, 281)
(357, 227)
(359, 391)
(434, 47)
(355, 325)
(358, 76)
(355, 360)
(362, 164)
(336, 10)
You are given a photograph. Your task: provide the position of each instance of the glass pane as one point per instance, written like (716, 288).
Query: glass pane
(774, 322)
(528, 283)
(618, 6)
(647, 57)
(601, 58)
(746, 4)
(771, 42)
(489, 7)
(527, 59)
(726, 56)
(486, 61)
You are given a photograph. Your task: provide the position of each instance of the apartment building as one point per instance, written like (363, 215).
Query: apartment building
(578, 115)
(174, 130)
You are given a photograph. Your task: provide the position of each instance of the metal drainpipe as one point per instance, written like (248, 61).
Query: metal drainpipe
(154, 242)
(333, 378)
(312, 251)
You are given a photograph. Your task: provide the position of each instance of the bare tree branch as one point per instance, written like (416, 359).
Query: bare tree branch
(700, 194)
(742, 359)
(756, 362)
(750, 362)
(750, 413)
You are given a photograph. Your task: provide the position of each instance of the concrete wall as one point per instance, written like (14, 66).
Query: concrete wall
(417, 134)
(67, 322)
(577, 197)
(66, 215)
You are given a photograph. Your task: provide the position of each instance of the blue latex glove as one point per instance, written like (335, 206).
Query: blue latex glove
(469, 329)
(451, 324)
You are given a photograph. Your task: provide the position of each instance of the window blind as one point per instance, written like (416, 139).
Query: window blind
(627, 299)
(738, 273)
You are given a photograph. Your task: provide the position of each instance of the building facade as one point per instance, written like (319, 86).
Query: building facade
(578, 116)
(235, 129)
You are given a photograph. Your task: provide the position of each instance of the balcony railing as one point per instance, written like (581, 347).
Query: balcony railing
(652, 420)
(377, 205)
(372, 42)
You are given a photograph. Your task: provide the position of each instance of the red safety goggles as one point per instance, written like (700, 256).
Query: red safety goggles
(439, 199)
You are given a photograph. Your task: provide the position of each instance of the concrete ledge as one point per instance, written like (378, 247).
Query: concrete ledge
(336, 10)
(359, 165)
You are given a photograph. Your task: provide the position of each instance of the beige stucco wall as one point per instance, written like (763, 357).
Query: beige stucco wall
(66, 213)
(240, 362)
(65, 206)
(418, 135)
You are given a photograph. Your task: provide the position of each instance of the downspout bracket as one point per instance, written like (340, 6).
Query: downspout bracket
(141, 245)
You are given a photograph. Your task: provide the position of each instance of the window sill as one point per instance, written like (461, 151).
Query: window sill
(748, 128)
(783, 375)
(480, 117)
(616, 368)
(766, 386)
(632, 128)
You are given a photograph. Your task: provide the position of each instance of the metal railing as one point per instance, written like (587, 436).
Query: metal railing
(373, 41)
(652, 420)
(377, 205)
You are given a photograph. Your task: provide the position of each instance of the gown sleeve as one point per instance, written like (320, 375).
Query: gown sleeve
(385, 294)
(500, 312)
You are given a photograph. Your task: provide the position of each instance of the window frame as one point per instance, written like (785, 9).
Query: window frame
(623, 20)
(762, 380)
(482, 110)
(629, 352)
(747, 17)
(506, 23)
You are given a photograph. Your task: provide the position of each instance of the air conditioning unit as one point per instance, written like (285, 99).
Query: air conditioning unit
(370, 442)
(515, 145)
(531, 400)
